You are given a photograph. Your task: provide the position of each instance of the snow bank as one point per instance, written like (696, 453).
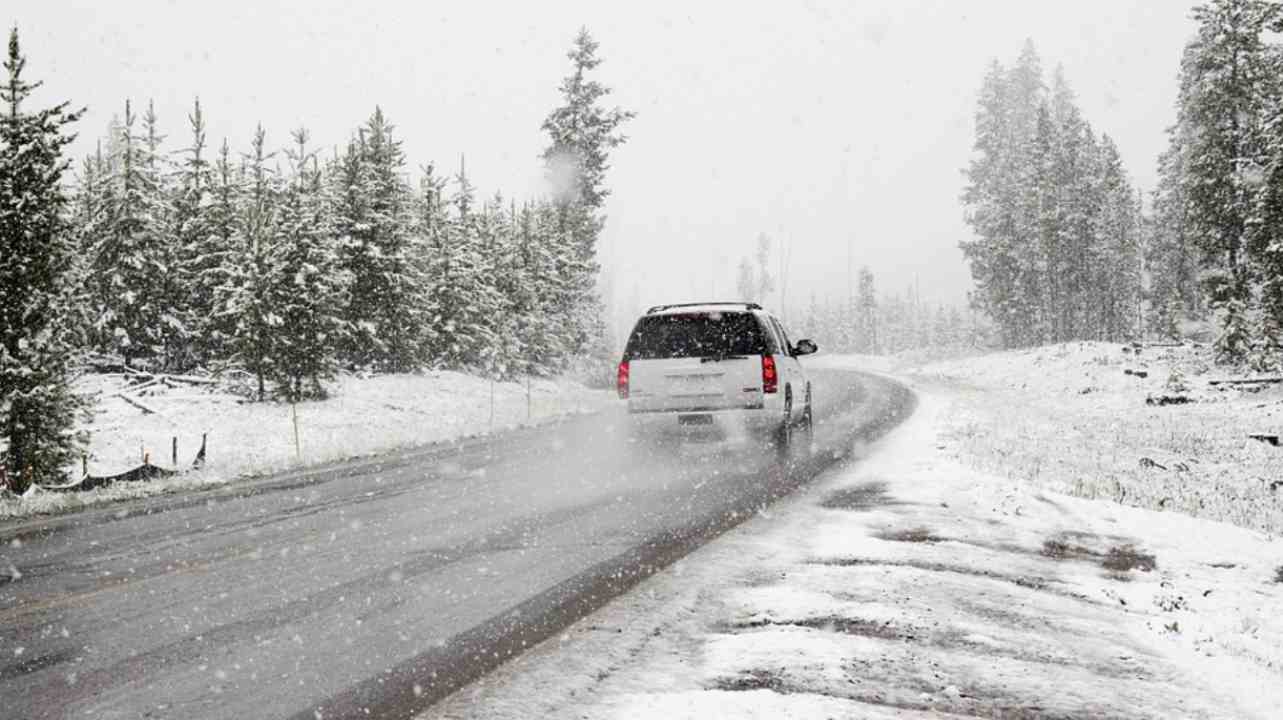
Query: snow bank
(1075, 418)
(362, 416)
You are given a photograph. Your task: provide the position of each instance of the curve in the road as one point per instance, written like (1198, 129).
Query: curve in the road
(375, 588)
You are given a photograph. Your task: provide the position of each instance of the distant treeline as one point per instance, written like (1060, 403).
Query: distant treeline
(891, 324)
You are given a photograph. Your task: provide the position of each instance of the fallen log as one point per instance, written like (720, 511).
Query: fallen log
(190, 379)
(138, 404)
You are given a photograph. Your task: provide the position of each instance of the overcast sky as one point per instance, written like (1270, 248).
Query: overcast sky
(836, 127)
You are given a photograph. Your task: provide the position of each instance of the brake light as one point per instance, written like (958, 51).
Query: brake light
(770, 378)
(622, 380)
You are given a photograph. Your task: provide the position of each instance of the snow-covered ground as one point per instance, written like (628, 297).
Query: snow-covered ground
(364, 415)
(912, 584)
(1070, 418)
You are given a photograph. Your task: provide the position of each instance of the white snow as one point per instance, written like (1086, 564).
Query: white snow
(364, 415)
(912, 584)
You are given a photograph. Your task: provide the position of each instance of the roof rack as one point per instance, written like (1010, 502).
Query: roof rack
(747, 305)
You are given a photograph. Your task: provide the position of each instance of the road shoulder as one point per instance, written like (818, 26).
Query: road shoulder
(907, 585)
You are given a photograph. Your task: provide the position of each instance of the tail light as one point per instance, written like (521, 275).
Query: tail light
(621, 382)
(770, 378)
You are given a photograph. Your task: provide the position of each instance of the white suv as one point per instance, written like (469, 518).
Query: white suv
(715, 365)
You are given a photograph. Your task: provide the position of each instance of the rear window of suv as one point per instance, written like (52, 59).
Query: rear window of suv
(696, 335)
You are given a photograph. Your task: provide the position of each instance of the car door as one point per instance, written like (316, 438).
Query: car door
(796, 376)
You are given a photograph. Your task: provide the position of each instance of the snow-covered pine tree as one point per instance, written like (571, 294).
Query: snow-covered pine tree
(198, 254)
(308, 292)
(812, 322)
(505, 272)
(1171, 255)
(351, 209)
(374, 218)
(1039, 247)
(173, 330)
(429, 227)
(39, 333)
(461, 296)
(582, 133)
(91, 188)
(246, 299)
(543, 348)
(1036, 199)
(745, 281)
(128, 253)
(1064, 212)
(216, 265)
(990, 207)
(1266, 246)
(1119, 282)
(392, 292)
(572, 295)
(1226, 79)
(867, 307)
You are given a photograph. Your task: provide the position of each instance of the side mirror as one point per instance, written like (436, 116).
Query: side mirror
(804, 347)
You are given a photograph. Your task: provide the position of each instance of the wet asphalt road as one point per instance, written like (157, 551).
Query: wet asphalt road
(372, 589)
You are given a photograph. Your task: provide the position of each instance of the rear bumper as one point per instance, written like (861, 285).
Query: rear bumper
(705, 422)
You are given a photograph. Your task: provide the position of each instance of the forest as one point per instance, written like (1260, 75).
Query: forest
(280, 261)
(1066, 248)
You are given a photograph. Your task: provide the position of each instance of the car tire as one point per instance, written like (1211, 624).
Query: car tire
(804, 435)
(784, 433)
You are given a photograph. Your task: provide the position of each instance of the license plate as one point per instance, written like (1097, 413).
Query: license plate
(694, 419)
(691, 384)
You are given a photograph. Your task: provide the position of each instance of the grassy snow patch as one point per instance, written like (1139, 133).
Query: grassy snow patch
(1073, 419)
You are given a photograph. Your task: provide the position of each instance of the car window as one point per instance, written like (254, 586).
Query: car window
(779, 328)
(696, 335)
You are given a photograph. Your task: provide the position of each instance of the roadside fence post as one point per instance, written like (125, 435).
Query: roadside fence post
(491, 402)
(298, 446)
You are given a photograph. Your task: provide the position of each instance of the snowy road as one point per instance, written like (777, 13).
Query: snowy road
(370, 587)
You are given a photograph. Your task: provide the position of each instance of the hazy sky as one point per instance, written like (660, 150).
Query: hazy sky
(834, 127)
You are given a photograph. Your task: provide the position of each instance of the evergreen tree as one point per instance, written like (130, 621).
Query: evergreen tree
(1054, 215)
(374, 218)
(746, 282)
(582, 133)
(173, 334)
(1118, 278)
(1171, 255)
(216, 265)
(198, 256)
(990, 208)
(39, 336)
(765, 283)
(1226, 74)
(462, 296)
(867, 304)
(129, 251)
(247, 300)
(1267, 249)
(308, 290)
